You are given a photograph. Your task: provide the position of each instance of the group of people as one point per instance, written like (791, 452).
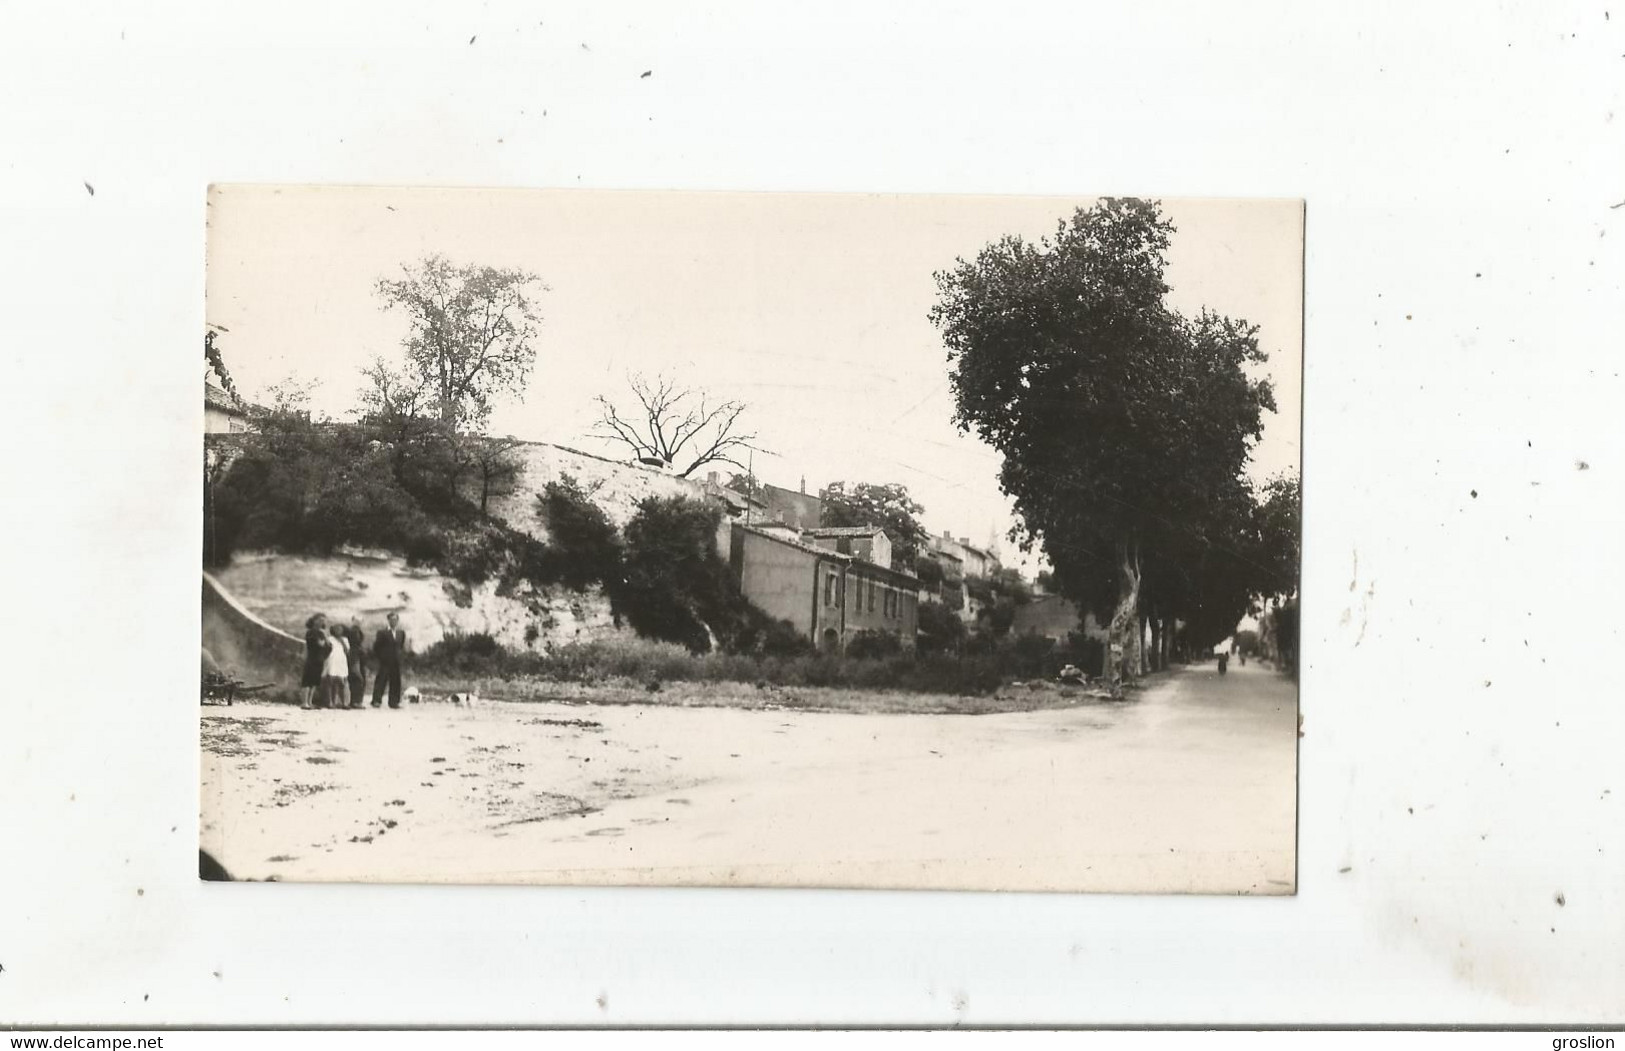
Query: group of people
(335, 674)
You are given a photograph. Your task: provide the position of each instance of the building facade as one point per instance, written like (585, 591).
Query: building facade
(975, 561)
(828, 595)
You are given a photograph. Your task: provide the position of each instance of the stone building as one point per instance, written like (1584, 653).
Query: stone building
(976, 561)
(869, 543)
(827, 594)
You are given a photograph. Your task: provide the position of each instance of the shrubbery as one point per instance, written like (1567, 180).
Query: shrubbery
(870, 644)
(649, 662)
(583, 546)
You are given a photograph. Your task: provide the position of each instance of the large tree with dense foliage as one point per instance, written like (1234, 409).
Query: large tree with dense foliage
(1124, 426)
(471, 336)
(888, 506)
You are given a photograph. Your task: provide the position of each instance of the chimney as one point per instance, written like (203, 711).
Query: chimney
(803, 485)
(964, 541)
(710, 478)
(947, 535)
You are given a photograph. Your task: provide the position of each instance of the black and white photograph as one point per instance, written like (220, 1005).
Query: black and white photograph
(734, 539)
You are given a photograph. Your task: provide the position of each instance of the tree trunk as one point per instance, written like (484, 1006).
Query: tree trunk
(1157, 661)
(1167, 642)
(1125, 618)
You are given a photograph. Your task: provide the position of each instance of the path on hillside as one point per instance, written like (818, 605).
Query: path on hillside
(1190, 787)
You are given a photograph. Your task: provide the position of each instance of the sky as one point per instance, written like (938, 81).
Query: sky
(813, 309)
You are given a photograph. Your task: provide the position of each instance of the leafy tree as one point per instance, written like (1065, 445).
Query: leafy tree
(745, 483)
(306, 486)
(215, 362)
(888, 506)
(1280, 532)
(675, 587)
(472, 329)
(1124, 427)
(673, 425)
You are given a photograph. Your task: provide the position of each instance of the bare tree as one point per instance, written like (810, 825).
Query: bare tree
(674, 424)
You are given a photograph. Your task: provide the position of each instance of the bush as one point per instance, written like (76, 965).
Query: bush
(585, 548)
(870, 644)
(929, 570)
(941, 630)
(675, 587)
(648, 661)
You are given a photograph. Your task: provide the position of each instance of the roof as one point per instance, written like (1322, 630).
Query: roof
(939, 553)
(733, 497)
(781, 538)
(834, 532)
(217, 398)
(900, 576)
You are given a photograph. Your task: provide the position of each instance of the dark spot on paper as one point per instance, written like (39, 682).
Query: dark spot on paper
(1474, 493)
(140, 893)
(473, 38)
(1561, 901)
(645, 74)
(90, 189)
(1410, 810)
(1581, 465)
(603, 1001)
(1346, 868)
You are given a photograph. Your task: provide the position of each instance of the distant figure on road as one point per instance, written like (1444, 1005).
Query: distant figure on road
(388, 649)
(1224, 661)
(358, 663)
(317, 643)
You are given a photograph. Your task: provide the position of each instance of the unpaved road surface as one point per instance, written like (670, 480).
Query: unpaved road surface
(1189, 787)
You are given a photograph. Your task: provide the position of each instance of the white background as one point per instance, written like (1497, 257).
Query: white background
(1463, 166)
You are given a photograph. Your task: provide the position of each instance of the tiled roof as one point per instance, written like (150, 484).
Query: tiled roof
(833, 532)
(217, 398)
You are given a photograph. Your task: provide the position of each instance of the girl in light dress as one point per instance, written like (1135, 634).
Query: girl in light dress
(336, 669)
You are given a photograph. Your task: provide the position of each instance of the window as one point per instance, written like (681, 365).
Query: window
(871, 595)
(890, 603)
(829, 590)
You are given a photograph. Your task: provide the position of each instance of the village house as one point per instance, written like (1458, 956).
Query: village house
(976, 561)
(829, 595)
(223, 413)
(869, 543)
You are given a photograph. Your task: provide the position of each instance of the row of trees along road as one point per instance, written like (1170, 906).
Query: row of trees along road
(1124, 427)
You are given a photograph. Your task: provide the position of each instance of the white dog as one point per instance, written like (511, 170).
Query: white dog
(468, 699)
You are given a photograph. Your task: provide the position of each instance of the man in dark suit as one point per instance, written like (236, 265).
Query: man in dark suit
(387, 650)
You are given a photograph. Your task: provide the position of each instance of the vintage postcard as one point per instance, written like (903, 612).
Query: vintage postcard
(745, 539)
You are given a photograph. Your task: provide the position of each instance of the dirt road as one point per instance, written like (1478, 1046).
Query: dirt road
(1189, 787)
